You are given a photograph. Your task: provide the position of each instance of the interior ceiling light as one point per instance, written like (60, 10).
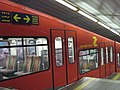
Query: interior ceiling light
(87, 16)
(67, 5)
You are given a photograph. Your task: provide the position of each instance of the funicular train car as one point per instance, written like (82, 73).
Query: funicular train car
(39, 52)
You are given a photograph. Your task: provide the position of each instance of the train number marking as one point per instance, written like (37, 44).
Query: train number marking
(94, 41)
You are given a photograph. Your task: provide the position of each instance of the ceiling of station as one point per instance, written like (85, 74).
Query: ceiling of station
(106, 11)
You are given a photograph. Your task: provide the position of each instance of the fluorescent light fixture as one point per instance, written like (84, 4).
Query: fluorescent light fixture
(67, 5)
(100, 23)
(88, 16)
(114, 31)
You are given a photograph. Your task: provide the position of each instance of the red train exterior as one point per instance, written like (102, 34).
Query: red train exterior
(80, 63)
(117, 51)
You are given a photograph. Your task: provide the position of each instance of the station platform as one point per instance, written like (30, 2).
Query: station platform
(114, 76)
(90, 83)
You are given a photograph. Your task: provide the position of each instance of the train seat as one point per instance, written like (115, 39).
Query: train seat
(26, 66)
(36, 64)
(10, 66)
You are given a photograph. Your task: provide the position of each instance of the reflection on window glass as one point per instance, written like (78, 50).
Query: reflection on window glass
(19, 50)
(4, 43)
(31, 50)
(118, 58)
(43, 53)
(88, 60)
(4, 52)
(58, 51)
(27, 55)
(106, 54)
(71, 50)
(111, 54)
(102, 56)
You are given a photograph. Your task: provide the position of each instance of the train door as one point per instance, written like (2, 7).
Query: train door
(58, 58)
(105, 62)
(71, 56)
(102, 61)
(107, 59)
(112, 59)
(63, 57)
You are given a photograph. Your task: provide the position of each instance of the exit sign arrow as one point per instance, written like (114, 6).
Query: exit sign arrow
(16, 18)
(27, 19)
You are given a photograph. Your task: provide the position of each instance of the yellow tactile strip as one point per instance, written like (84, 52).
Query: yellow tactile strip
(90, 83)
(80, 87)
(116, 76)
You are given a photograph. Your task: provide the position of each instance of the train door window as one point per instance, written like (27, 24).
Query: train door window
(58, 51)
(88, 60)
(118, 58)
(70, 50)
(111, 54)
(106, 54)
(102, 56)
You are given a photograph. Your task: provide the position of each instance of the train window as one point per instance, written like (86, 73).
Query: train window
(106, 54)
(70, 50)
(58, 51)
(88, 60)
(111, 54)
(20, 56)
(118, 58)
(102, 56)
